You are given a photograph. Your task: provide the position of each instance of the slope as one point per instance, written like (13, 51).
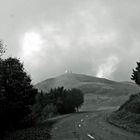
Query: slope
(128, 115)
(99, 92)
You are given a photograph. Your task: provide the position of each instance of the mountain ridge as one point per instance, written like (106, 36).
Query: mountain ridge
(83, 82)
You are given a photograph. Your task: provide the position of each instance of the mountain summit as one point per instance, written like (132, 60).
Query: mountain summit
(88, 84)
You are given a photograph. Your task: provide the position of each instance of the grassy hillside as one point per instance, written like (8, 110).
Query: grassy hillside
(98, 92)
(128, 115)
(88, 84)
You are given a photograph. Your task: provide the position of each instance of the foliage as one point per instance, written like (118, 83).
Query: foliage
(43, 108)
(17, 94)
(49, 111)
(136, 74)
(2, 49)
(58, 101)
(78, 98)
(66, 101)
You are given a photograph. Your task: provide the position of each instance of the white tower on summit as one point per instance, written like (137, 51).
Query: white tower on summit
(68, 71)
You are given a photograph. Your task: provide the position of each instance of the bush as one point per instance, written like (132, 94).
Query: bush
(49, 111)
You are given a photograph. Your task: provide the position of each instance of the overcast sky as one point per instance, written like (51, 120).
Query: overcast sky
(96, 37)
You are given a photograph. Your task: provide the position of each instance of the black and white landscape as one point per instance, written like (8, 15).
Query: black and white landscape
(98, 92)
(69, 70)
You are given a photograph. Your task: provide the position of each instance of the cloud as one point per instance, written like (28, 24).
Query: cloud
(106, 69)
(31, 44)
(93, 37)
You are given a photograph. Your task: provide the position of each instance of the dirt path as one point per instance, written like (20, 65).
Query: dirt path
(88, 126)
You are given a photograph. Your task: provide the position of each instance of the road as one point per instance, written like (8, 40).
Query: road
(89, 126)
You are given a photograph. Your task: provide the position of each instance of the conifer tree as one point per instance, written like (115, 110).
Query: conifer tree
(136, 74)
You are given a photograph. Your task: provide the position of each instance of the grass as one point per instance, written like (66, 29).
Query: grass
(39, 132)
(128, 122)
(128, 115)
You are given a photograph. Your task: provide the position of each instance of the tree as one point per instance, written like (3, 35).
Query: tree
(57, 97)
(17, 94)
(78, 98)
(66, 101)
(58, 101)
(136, 74)
(2, 50)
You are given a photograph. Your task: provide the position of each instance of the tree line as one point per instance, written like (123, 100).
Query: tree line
(58, 101)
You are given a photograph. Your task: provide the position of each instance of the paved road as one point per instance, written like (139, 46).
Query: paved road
(89, 126)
